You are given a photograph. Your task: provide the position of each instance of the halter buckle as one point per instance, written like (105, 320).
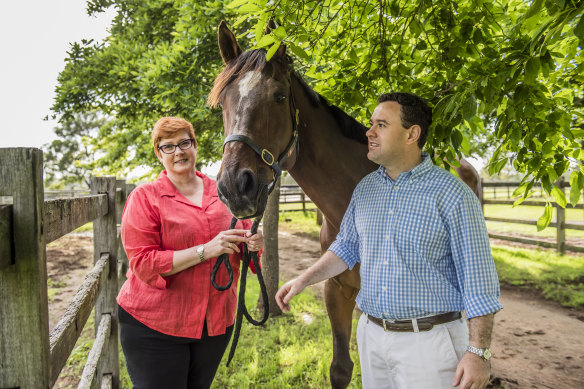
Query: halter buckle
(267, 157)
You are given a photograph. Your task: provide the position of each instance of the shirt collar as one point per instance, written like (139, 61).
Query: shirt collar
(167, 188)
(416, 172)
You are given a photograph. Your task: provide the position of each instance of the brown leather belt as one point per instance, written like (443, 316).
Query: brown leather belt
(424, 324)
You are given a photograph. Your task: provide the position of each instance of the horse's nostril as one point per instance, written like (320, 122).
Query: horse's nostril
(247, 182)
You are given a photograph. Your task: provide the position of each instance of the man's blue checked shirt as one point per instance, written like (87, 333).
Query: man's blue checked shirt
(422, 244)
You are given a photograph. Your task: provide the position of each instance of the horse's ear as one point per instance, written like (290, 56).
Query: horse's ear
(271, 26)
(281, 52)
(227, 43)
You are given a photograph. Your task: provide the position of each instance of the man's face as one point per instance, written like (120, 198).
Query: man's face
(387, 137)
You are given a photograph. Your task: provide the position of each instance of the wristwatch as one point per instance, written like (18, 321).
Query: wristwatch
(201, 252)
(484, 353)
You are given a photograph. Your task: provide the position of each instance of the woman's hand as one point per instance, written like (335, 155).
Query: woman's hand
(225, 243)
(254, 242)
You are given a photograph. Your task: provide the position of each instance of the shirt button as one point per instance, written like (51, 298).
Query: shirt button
(385, 262)
(386, 314)
(410, 181)
(390, 212)
(384, 288)
(388, 237)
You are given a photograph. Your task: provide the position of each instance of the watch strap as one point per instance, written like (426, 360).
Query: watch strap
(201, 252)
(484, 353)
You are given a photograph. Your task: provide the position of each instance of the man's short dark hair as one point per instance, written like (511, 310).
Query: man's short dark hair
(414, 110)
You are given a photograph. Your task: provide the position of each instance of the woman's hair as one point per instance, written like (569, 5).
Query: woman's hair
(168, 126)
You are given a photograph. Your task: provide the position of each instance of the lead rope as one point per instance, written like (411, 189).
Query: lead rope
(241, 308)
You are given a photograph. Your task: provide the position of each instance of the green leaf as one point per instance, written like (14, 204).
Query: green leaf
(531, 70)
(237, 3)
(266, 40)
(272, 50)
(248, 8)
(576, 181)
(299, 51)
(534, 9)
(559, 196)
(545, 182)
(280, 33)
(545, 219)
(469, 108)
(579, 29)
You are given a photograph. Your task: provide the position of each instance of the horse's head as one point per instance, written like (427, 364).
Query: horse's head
(259, 121)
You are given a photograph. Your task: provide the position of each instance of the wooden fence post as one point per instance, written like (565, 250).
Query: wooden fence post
(24, 314)
(560, 222)
(105, 240)
(319, 218)
(303, 199)
(120, 203)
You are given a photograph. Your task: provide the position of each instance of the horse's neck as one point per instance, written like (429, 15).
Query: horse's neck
(329, 165)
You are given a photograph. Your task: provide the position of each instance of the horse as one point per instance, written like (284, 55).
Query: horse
(269, 111)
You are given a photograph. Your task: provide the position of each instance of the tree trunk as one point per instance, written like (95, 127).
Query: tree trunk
(269, 260)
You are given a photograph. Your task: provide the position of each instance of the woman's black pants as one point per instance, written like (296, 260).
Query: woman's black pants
(155, 360)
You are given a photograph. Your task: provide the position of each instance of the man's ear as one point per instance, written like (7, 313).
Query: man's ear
(414, 133)
(228, 46)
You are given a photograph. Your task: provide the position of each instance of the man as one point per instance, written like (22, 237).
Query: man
(419, 235)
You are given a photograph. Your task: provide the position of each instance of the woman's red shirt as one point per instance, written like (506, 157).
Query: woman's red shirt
(158, 220)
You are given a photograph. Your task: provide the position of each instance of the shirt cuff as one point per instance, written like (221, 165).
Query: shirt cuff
(165, 259)
(345, 253)
(481, 305)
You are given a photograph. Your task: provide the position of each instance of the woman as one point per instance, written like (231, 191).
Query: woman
(174, 325)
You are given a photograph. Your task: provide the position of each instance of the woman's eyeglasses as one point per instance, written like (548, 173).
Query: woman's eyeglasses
(183, 145)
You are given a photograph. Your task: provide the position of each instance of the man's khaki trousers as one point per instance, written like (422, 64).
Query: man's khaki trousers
(408, 360)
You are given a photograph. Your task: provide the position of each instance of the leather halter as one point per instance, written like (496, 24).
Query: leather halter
(265, 154)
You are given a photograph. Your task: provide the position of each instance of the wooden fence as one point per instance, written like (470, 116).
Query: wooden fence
(293, 194)
(560, 224)
(30, 356)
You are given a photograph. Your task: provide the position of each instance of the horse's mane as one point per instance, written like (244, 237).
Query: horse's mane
(255, 60)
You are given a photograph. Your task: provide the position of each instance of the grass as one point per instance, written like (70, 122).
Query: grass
(291, 351)
(559, 278)
(527, 212)
(300, 221)
(71, 373)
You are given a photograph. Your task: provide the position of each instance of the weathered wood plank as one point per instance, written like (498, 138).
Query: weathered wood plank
(515, 184)
(528, 202)
(107, 381)
(62, 216)
(523, 240)
(519, 221)
(6, 238)
(574, 226)
(24, 314)
(91, 371)
(67, 331)
(105, 240)
(577, 249)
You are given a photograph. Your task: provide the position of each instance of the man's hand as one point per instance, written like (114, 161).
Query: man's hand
(287, 291)
(473, 372)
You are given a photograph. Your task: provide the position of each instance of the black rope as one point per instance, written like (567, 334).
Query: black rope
(223, 258)
(248, 257)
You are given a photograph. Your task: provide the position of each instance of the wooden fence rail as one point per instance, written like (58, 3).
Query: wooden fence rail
(30, 357)
(560, 223)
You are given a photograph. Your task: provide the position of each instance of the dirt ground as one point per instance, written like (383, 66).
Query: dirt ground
(536, 343)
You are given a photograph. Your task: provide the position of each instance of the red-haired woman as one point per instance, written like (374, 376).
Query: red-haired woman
(174, 325)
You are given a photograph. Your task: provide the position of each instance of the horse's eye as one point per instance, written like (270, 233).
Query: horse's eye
(280, 98)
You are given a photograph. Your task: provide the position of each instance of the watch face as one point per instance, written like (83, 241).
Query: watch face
(487, 354)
